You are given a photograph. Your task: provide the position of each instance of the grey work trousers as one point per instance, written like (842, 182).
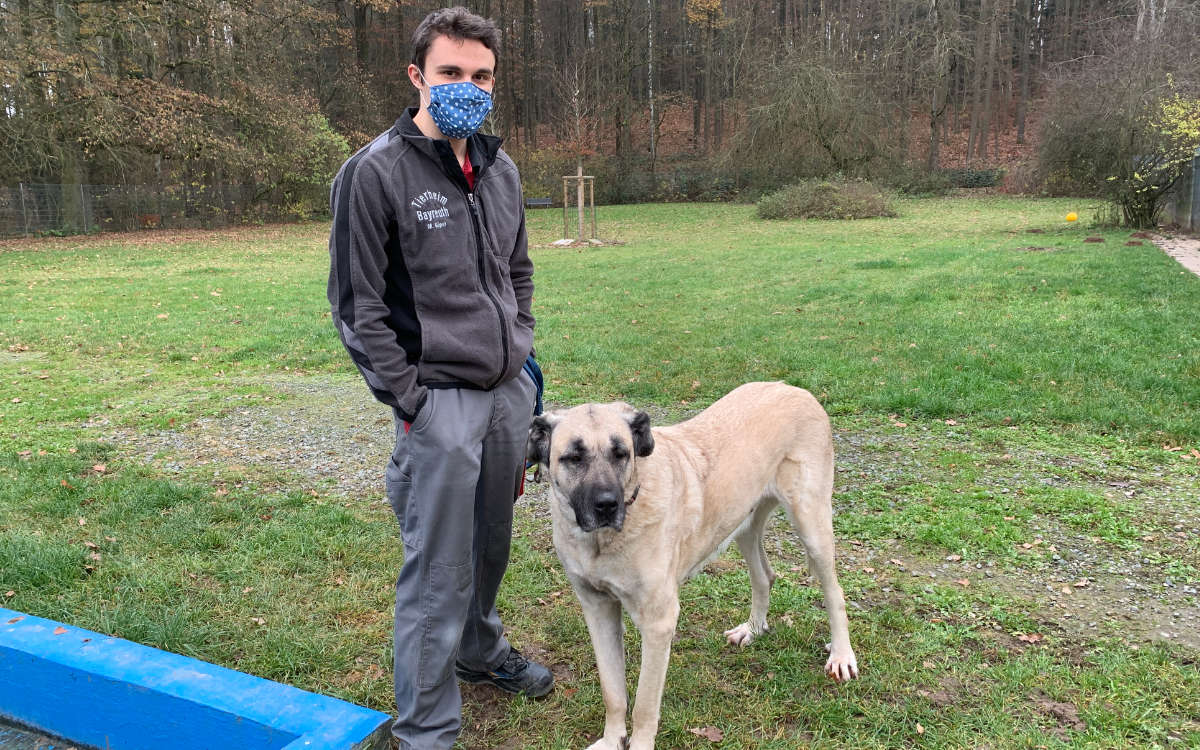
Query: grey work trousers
(452, 481)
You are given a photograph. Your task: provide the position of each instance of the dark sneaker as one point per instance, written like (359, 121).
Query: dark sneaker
(516, 675)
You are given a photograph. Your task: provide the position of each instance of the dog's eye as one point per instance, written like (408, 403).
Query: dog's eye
(570, 458)
(620, 452)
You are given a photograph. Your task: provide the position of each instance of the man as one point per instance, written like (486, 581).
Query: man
(430, 284)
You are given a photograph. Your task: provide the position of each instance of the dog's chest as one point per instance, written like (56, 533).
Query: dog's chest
(604, 567)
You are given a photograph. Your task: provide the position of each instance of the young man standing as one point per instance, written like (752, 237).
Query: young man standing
(430, 284)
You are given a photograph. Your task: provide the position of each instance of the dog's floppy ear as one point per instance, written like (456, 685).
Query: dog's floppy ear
(537, 448)
(643, 440)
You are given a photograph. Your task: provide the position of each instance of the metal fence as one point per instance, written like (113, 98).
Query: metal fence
(41, 209)
(1183, 206)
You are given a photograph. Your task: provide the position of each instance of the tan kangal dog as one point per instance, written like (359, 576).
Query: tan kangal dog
(637, 511)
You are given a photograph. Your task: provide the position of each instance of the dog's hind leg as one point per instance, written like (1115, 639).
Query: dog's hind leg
(749, 541)
(807, 490)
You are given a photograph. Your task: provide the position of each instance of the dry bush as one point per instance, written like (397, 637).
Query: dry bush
(826, 199)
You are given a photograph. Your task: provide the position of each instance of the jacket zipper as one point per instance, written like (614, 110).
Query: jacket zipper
(476, 223)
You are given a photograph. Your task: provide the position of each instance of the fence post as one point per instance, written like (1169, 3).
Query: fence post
(24, 208)
(1194, 214)
(83, 208)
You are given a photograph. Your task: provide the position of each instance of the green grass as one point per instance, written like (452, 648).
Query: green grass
(937, 314)
(995, 393)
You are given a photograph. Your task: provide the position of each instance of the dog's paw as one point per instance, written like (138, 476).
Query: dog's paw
(605, 743)
(743, 634)
(842, 665)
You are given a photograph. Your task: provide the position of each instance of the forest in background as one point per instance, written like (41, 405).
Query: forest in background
(659, 98)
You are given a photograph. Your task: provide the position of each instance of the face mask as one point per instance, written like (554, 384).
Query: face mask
(458, 109)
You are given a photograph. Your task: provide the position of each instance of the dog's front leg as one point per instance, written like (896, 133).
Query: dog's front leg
(603, 615)
(657, 624)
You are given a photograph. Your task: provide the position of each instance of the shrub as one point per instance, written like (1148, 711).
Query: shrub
(826, 199)
(918, 181)
(627, 181)
(974, 178)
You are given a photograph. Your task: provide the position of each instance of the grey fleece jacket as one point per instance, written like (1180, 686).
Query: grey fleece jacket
(430, 282)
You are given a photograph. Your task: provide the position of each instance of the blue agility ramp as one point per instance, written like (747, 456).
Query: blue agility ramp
(103, 692)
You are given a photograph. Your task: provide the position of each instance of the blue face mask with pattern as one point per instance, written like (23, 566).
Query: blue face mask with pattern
(458, 109)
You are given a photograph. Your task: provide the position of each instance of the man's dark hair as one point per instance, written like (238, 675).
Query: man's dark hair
(457, 23)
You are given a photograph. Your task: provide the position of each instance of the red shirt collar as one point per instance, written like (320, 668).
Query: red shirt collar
(468, 171)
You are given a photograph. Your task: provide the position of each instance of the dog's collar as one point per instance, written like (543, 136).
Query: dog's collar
(633, 497)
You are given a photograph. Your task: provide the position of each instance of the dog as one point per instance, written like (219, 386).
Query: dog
(638, 510)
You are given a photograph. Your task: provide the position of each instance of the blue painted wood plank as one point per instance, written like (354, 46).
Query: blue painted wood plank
(110, 693)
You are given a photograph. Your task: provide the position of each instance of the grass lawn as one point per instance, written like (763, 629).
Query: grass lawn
(188, 460)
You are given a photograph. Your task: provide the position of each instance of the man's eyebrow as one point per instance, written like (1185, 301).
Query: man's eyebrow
(456, 69)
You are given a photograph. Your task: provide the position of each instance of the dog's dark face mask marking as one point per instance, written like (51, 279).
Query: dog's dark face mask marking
(589, 452)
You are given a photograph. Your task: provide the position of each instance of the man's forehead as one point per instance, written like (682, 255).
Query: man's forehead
(464, 54)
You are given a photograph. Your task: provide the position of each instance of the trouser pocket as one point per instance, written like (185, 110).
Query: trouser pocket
(399, 487)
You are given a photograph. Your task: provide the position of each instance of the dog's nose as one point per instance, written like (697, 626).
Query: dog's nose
(606, 501)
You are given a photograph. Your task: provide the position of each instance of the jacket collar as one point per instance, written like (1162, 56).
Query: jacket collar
(481, 148)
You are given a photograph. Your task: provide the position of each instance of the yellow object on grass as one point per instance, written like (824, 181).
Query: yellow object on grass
(1071, 216)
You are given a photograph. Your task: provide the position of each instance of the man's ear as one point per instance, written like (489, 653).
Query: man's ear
(537, 448)
(643, 440)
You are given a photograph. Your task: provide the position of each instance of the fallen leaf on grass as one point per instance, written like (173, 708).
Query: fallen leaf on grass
(9, 594)
(964, 582)
(709, 733)
(100, 468)
(1082, 583)
(1029, 637)
(954, 558)
(258, 620)
(920, 729)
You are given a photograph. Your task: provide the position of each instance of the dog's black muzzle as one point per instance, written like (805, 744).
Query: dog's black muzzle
(599, 506)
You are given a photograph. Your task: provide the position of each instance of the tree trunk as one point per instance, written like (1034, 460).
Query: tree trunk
(528, 101)
(1023, 46)
(977, 70)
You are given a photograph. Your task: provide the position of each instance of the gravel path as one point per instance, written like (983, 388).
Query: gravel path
(1186, 250)
(333, 437)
